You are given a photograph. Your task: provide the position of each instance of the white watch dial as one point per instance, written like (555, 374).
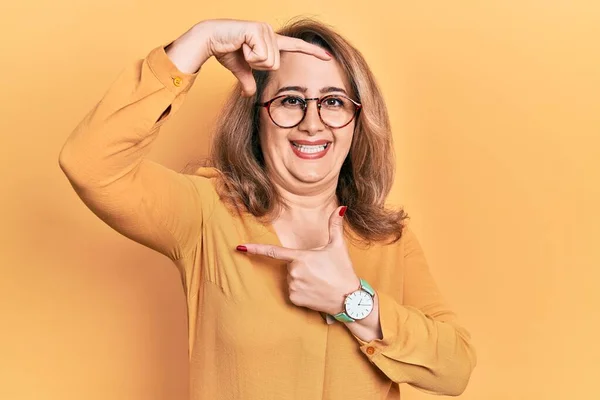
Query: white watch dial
(359, 304)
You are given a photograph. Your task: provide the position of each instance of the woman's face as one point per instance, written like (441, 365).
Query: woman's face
(302, 168)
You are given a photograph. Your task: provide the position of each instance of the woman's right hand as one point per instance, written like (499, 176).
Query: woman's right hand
(239, 46)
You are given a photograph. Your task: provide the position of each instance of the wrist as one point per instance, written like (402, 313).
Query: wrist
(201, 32)
(191, 50)
(351, 286)
(358, 304)
(367, 329)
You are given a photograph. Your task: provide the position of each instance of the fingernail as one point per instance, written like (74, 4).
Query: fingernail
(241, 248)
(328, 53)
(343, 211)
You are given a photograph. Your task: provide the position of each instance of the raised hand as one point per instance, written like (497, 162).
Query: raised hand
(239, 46)
(317, 278)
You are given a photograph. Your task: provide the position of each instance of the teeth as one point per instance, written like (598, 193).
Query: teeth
(310, 149)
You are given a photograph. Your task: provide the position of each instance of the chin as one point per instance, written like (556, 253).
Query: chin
(308, 177)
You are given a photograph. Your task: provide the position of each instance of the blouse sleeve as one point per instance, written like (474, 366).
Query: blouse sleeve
(423, 343)
(104, 159)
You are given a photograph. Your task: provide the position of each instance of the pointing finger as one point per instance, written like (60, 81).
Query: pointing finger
(279, 253)
(286, 43)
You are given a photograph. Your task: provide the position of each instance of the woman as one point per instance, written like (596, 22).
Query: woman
(288, 227)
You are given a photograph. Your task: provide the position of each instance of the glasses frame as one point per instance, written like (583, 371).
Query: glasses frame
(319, 100)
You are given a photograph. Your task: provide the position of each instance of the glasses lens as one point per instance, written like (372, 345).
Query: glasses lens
(337, 111)
(287, 111)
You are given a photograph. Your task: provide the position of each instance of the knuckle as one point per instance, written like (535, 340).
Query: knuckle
(271, 252)
(294, 273)
(293, 287)
(295, 298)
(260, 56)
(337, 222)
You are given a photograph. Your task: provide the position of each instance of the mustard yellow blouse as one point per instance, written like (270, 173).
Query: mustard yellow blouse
(246, 340)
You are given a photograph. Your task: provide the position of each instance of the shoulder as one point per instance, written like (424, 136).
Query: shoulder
(402, 247)
(408, 243)
(409, 238)
(204, 181)
(205, 178)
(211, 183)
(410, 246)
(206, 172)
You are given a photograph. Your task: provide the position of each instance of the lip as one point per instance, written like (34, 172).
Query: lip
(310, 156)
(309, 143)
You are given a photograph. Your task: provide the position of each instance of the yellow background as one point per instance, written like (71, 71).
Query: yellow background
(495, 110)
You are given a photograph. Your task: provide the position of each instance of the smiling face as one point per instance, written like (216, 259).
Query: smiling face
(309, 155)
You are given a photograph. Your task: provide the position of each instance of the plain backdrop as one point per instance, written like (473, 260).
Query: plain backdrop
(496, 117)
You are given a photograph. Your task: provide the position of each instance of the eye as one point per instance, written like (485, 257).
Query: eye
(292, 102)
(334, 102)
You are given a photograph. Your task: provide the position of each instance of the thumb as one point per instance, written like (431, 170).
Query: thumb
(245, 74)
(336, 225)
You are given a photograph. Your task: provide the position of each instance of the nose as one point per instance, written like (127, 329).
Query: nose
(311, 124)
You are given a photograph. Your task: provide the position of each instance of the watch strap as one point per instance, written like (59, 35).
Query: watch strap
(343, 317)
(364, 285)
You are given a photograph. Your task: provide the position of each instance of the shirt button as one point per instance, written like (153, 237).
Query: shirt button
(370, 350)
(177, 81)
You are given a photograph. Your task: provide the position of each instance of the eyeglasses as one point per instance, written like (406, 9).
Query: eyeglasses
(335, 111)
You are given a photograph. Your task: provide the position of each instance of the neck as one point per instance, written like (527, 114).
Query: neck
(312, 205)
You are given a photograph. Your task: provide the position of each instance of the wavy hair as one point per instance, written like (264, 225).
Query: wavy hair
(367, 173)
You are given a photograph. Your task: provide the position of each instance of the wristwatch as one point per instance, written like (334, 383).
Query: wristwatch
(358, 304)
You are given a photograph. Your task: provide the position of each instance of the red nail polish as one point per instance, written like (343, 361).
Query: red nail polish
(241, 248)
(343, 211)
(328, 53)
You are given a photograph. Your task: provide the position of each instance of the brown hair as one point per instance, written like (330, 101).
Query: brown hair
(367, 173)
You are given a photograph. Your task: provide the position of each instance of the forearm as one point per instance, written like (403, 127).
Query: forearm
(191, 50)
(117, 134)
(418, 349)
(105, 158)
(109, 144)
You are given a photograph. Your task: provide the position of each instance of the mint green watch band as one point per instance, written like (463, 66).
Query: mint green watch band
(343, 317)
(364, 285)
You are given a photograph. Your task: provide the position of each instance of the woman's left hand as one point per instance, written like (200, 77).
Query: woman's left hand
(317, 278)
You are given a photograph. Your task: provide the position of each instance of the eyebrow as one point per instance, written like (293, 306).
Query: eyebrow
(303, 89)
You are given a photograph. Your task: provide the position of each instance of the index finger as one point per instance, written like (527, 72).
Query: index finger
(286, 43)
(279, 253)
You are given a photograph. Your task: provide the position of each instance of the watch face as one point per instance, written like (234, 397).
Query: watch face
(359, 304)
